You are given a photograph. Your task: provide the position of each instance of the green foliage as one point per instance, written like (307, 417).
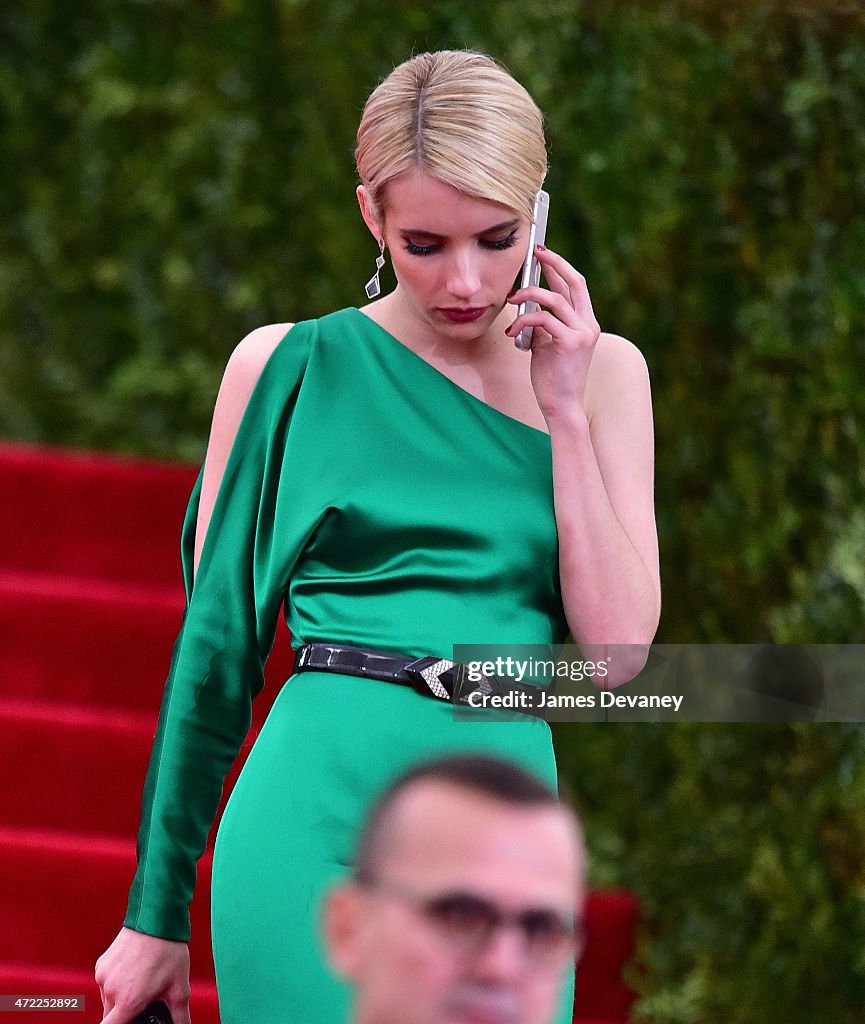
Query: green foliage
(748, 855)
(176, 174)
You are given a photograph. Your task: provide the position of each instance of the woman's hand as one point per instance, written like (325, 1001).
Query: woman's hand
(564, 337)
(137, 969)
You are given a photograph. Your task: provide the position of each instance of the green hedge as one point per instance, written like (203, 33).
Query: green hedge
(745, 845)
(176, 174)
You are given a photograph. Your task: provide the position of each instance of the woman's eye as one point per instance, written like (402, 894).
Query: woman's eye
(500, 243)
(419, 250)
(494, 244)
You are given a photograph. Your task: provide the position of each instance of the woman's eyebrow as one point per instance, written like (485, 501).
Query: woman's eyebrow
(487, 231)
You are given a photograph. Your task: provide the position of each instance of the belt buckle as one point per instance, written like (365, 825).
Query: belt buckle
(426, 676)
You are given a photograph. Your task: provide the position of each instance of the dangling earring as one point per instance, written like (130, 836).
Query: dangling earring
(373, 285)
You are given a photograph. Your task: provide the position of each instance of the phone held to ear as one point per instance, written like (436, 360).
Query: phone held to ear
(531, 276)
(155, 1013)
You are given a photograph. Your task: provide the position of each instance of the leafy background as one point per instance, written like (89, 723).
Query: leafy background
(176, 173)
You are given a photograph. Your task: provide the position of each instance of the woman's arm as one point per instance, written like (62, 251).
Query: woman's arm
(140, 966)
(593, 390)
(241, 374)
(603, 470)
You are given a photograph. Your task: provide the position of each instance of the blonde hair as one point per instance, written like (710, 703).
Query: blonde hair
(460, 117)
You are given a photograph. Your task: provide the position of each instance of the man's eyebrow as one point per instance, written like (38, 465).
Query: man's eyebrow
(487, 231)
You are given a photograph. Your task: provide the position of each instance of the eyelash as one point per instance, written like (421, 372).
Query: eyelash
(498, 246)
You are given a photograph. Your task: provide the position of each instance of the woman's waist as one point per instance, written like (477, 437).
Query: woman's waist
(370, 714)
(419, 637)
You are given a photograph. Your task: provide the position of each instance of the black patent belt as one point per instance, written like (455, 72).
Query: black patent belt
(431, 676)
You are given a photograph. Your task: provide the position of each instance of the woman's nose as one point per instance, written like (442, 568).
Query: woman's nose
(463, 280)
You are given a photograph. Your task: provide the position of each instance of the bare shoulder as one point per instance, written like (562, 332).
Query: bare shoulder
(252, 352)
(614, 353)
(618, 368)
(238, 382)
(246, 363)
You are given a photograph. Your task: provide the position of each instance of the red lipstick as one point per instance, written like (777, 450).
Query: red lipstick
(464, 316)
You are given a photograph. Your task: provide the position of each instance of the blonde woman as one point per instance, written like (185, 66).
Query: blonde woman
(406, 479)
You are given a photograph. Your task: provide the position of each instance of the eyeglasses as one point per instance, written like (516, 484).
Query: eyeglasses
(469, 921)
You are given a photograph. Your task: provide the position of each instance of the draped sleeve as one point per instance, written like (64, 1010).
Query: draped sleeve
(255, 534)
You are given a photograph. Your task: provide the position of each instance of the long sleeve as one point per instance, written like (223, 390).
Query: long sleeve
(227, 632)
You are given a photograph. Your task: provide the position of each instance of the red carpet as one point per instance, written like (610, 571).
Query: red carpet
(90, 603)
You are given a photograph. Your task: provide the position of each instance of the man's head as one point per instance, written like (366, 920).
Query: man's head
(467, 888)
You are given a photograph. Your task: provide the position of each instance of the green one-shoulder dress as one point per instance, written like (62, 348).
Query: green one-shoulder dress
(390, 509)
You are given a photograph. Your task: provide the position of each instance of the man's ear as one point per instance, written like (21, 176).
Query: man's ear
(366, 211)
(341, 925)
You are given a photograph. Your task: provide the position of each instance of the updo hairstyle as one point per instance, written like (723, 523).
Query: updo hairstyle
(461, 118)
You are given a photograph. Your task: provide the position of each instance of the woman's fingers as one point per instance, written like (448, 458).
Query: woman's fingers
(556, 303)
(568, 279)
(116, 1016)
(542, 318)
(179, 1009)
(555, 280)
(555, 315)
(122, 1014)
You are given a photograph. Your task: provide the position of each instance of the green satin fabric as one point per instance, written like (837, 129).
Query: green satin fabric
(392, 510)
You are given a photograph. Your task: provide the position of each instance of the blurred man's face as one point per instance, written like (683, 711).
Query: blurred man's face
(468, 919)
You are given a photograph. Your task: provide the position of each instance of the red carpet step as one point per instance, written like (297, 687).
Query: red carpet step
(103, 748)
(91, 600)
(94, 515)
(84, 639)
(101, 867)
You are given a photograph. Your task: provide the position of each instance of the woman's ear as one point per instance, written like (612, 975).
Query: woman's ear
(366, 210)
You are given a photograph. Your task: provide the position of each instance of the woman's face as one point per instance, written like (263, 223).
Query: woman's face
(455, 257)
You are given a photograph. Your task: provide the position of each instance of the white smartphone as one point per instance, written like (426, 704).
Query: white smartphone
(531, 276)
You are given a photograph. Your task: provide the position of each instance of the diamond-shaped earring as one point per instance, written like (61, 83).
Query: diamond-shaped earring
(373, 285)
